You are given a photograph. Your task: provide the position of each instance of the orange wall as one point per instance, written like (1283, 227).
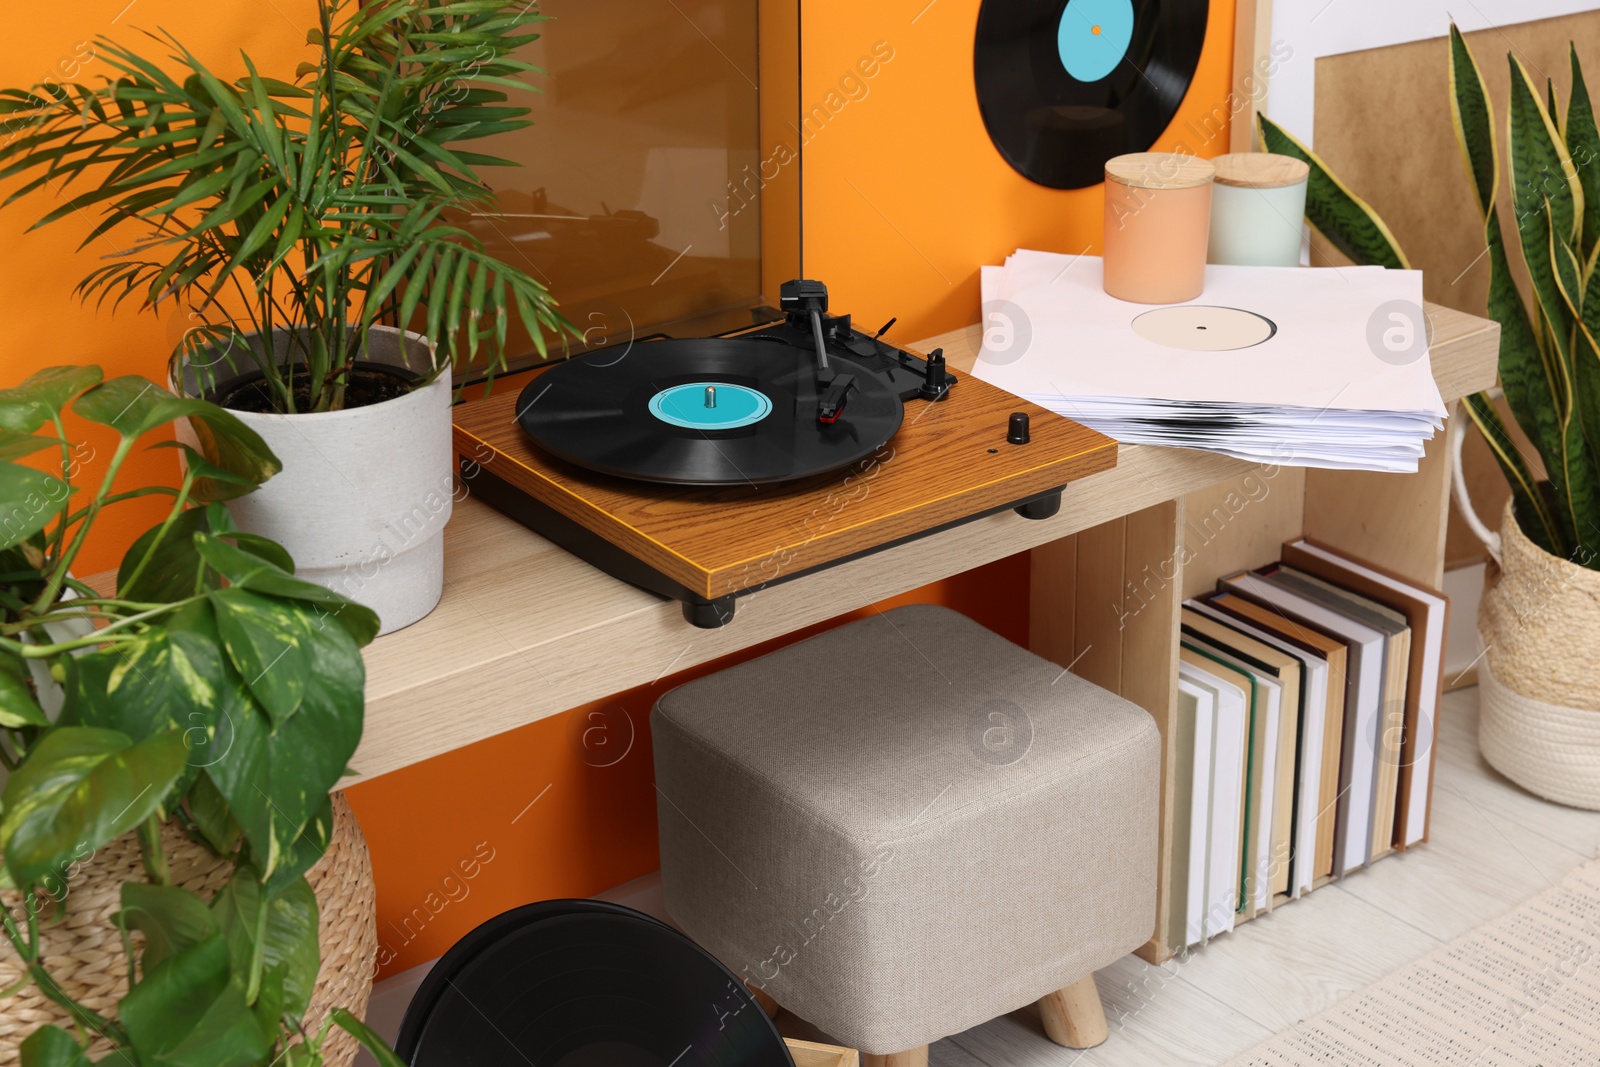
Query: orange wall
(532, 814)
(915, 150)
(905, 195)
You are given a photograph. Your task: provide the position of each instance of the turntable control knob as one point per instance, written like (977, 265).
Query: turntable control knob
(711, 396)
(1017, 428)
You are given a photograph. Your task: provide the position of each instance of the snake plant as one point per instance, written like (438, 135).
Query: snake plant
(1549, 355)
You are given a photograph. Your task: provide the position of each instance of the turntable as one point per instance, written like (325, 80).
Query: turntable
(704, 469)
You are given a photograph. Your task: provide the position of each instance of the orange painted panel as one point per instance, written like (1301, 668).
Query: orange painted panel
(905, 196)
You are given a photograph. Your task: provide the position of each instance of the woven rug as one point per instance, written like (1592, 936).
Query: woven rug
(1523, 989)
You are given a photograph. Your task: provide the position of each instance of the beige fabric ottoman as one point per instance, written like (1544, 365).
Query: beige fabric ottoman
(907, 826)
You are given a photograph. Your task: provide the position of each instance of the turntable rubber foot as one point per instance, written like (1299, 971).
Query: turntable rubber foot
(709, 614)
(1041, 507)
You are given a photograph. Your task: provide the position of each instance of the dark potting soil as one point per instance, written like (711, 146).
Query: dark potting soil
(366, 385)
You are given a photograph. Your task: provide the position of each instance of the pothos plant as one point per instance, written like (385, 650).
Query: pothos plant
(1549, 352)
(213, 690)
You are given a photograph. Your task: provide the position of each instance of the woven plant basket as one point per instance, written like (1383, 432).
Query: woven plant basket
(83, 951)
(1539, 689)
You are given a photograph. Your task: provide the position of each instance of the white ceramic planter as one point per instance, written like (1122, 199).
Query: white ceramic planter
(364, 494)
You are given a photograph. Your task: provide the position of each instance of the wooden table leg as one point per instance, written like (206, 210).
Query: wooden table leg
(1073, 1016)
(917, 1057)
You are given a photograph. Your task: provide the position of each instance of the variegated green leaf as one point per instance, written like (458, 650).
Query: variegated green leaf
(134, 406)
(1579, 487)
(29, 499)
(51, 1046)
(276, 778)
(246, 570)
(1549, 204)
(1575, 477)
(212, 817)
(26, 407)
(300, 855)
(1542, 172)
(286, 937)
(1473, 116)
(172, 920)
(18, 705)
(211, 482)
(269, 642)
(366, 1037)
(190, 1011)
(15, 445)
(240, 775)
(169, 679)
(1583, 142)
(81, 788)
(162, 564)
(1586, 361)
(1523, 372)
(1342, 217)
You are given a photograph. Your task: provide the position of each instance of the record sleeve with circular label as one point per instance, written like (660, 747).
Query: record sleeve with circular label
(705, 411)
(1064, 85)
(1204, 328)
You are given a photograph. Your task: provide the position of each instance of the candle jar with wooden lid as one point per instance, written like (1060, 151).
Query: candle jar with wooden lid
(1257, 206)
(1158, 208)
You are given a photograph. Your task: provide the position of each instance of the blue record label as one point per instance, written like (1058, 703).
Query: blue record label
(1093, 36)
(710, 406)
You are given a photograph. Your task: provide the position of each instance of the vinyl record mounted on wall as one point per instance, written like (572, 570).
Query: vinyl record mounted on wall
(1064, 85)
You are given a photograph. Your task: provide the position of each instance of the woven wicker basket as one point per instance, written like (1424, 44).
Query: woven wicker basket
(84, 950)
(1539, 692)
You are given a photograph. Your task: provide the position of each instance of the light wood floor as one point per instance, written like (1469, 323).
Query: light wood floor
(1492, 846)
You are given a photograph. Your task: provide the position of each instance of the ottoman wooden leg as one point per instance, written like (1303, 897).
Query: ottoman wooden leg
(764, 999)
(1073, 1016)
(917, 1057)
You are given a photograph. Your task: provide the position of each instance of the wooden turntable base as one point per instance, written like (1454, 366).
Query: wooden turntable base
(949, 463)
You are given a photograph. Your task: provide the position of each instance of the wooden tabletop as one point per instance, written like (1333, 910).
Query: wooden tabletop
(525, 630)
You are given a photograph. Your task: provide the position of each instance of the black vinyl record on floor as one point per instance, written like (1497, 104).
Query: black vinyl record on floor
(643, 412)
(581, 983)
(1064, 85)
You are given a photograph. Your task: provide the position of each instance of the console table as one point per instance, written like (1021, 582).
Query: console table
(525, 630)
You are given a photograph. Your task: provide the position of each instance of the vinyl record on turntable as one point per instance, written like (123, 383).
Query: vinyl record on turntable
(1065, 86)
(703, 411)
(581, 983)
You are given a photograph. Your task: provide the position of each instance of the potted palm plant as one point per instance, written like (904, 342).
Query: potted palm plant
(179, 886)
(296, 225)
(1539, 722)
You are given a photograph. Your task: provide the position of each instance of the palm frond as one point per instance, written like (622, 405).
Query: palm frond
(320, 200)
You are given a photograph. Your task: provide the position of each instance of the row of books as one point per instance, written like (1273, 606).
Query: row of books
(1308, 693)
